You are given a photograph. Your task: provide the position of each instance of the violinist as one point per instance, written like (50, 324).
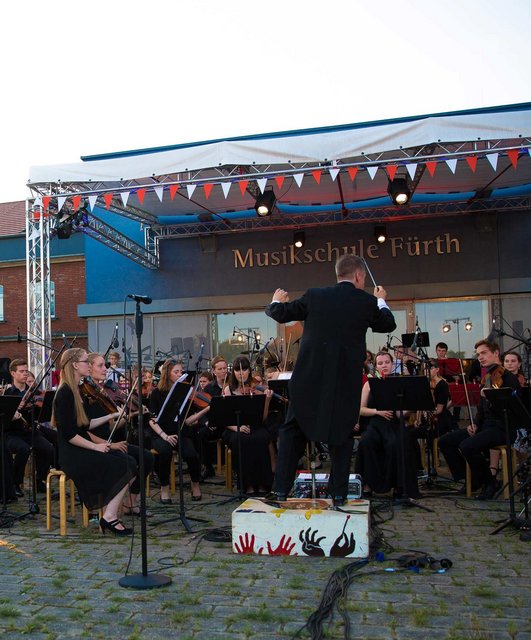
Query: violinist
(99, 407)
(165, 436)
(441, 397)
(487, 431)
(254, 439)
(18, 434)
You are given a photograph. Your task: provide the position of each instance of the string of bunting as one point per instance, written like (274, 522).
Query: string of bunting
(333, 170)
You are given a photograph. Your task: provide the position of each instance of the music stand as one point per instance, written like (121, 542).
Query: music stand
(506, 403)
(238, 410)
(397, 393)
(8, 408)
(423, 339)
(45, 414)
(171, 411)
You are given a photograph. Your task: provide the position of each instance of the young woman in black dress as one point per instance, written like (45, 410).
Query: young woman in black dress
(101, 472)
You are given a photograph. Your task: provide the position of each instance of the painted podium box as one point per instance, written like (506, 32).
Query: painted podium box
(302, 527)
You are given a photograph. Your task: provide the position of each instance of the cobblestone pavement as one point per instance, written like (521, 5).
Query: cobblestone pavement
(67, 587)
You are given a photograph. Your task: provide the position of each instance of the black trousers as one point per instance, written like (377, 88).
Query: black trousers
(164, 459)
(19, 444)
(134, 452)
(291, 444)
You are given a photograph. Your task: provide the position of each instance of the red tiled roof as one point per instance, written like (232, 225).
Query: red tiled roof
(12, 218)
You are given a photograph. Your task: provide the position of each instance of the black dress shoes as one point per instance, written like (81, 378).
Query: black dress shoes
(339, 501)
(488, 491)
(273, 496)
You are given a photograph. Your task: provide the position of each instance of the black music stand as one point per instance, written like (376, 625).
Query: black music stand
(172, 410)
(8, 408)
(423, 339)
(238, 410)
(398, 393)
(507, 404)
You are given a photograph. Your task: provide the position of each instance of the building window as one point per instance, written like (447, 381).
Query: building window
(1, 302)
(52, 299)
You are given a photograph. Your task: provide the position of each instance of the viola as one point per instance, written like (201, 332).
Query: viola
(201, 399)
(94, 394)
(493, 379)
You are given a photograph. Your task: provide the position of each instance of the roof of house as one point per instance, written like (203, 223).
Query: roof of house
(12, 218)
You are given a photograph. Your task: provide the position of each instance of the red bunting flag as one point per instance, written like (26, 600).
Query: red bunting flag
(352, 171)
(46, 202)
(317, 175)
(208, 188)
(243, 186)
(430, 166)
(513, 156)
(76, 201)
(472, 162)
(391, 170)
(173, 190)
(140, 195)
(108, 199)
(280, 181)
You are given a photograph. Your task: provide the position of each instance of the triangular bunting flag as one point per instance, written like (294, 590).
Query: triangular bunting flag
(334, 171)
(391, 170)
(472, 162)
(280, 181)
(243, 186)
(38, 201)
(124, 195)
(226, 188)
(208, 188)
(76, 201)
(173, 190)
(60, 202)
(431, 165)
(493, 159)
(452, 164)
(298, 178)
(46, 202)
(317, 175)
(261, 182)
(372, 171)
(140, 193)
(92, 202)
(411, 169)
(159, 190)
(513, 156)
(352, 171)
(190, 188)
(108, 199)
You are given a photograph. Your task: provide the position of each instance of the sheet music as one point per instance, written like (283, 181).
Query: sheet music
(178, 381)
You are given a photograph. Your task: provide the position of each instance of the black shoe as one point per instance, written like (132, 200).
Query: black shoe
(197, 498)
(18, 491)
(166, 501)
(112, 526)
(487, 491)
(339, 501)
(274, 496)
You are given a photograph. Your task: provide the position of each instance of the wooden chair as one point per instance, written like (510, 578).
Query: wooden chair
(61, 476)
(505, 471)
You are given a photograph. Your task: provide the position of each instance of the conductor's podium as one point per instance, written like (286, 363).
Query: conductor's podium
(301, 527)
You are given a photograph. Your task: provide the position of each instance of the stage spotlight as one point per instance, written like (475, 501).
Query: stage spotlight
(64, 230)
(447, 327)
(264, 203)
(399, 191)
(468, 326)
(299, 238)
(380, 233)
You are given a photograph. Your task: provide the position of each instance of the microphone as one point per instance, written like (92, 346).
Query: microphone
(388, 343)
(115, 342)
(200, 356)
(144, 299)
(414, 343)
(264, 348)
(234, 332)
(65, 342)
(19, 337)
(492, 335)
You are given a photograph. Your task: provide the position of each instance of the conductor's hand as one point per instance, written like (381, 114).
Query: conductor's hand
(102, 447)
(119, 446)
(380, 292)
(280, 296)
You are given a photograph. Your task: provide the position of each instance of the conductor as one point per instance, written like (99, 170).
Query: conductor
(325, 387)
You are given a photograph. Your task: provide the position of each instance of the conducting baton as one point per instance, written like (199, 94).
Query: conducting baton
(369, 272)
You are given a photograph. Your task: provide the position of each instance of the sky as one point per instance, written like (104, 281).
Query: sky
(82, 78)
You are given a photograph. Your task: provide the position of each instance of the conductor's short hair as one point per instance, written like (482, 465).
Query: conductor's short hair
(348, 264)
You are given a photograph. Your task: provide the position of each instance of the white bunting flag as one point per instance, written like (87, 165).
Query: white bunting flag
(452, 164)
(261, 182)
(190, 188)
(38, 201)
(92, 202)
(411, 169)
(372, 171)
(159, 191)
(493, 159)
(60, 202)
(226, 188)
(333, 173)
(298, 178)
(124, 195)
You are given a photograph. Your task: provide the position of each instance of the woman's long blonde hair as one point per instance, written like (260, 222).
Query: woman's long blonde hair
(68, 378)
(165, 384)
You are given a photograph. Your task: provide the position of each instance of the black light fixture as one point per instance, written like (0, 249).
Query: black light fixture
(380, 233)
(299, 238)
(64, 230)
(399, 191)
(264, 203)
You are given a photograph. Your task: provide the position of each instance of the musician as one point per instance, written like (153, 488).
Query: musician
(325, 387)
(165, 436)
(377, 459)
(19, 438)
(487, 431)
(101, 471)
(441, 397)
(114, 371)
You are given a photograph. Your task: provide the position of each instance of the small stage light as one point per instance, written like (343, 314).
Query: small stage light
(299, 238)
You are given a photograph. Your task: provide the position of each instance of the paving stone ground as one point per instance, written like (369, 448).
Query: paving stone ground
(67, 587)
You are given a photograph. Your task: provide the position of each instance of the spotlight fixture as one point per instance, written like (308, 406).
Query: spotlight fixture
(264, 203)
(447, 327)
(299, 238)
(64, 230)
(380, 233)
(399, 191)
(468, 326)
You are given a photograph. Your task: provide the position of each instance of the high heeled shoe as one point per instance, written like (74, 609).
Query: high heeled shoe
(112, 526)
(197, 498)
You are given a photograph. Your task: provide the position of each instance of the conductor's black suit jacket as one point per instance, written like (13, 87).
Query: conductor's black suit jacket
(325, 387)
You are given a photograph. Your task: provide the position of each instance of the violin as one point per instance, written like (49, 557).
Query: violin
(94, 394)
(201, 399)
(493, 379)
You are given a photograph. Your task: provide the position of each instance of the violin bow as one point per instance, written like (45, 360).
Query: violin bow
(122, 411)
(287, 353)
(466, 392)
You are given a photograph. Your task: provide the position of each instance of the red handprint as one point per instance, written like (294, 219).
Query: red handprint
(246, 544)
(285, 547)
